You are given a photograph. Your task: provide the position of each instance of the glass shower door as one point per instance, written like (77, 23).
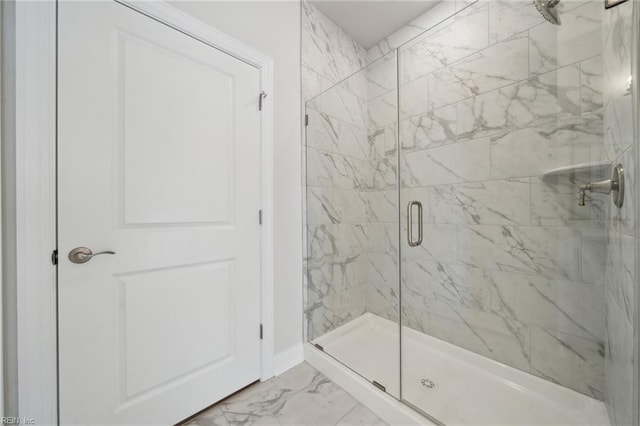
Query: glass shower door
(352, 296)
(503, 289)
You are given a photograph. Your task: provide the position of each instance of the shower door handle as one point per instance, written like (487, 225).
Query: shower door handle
(410, 240)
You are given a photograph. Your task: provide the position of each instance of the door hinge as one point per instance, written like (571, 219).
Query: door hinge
(261, 98)
(260, 216)
(379, 386)
(54, 257)
(306, 119)
(261, 332)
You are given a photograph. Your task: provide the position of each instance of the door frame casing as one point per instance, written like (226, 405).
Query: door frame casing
(35, 165)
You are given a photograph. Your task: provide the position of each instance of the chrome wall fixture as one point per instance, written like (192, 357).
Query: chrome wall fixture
(613, 186)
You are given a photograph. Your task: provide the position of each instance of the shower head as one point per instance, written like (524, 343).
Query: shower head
(547, 9)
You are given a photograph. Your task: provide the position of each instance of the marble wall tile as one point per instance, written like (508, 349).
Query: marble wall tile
(382, 110)
(336, 171)
(435, 128)
(381, 76)
(571, 307)
(431, 18)
(547, 252)
(383, 142)
(381, 206)
(500, 202)
(383, 285)
(542, 99)
(342, 104)
(328, 50)
(455, 284)
(619, 362)
(532, 151)
(578, 38)
(572, 361)
(335, 241)
(413, 98)
(446, 45)
(385, 173)
(460, 162)
(591, 85)
(618, 108)
(508, 18)
(482, 332)
(446, 249)
(330, 134)
(594, 259)
(497, 66)
(329, 205)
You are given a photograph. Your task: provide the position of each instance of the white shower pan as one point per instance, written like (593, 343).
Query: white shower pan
(451, 384)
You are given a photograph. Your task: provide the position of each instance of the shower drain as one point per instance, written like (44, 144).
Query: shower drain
(429, 384)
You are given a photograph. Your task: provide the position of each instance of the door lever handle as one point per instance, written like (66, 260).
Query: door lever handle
(84, 254)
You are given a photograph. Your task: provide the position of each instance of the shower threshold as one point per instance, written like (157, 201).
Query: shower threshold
(454, 385)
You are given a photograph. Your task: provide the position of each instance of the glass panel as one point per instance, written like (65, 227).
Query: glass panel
(352, 296)
(503, 116)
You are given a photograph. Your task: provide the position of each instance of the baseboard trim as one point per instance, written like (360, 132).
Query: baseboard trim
(383, 405)
(288, 358)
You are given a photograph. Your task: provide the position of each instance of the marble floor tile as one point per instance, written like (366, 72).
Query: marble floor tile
(300, 396)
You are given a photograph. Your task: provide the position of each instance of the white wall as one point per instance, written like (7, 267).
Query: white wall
(273, 28)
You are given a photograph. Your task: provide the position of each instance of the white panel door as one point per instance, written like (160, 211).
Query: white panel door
(159, 161)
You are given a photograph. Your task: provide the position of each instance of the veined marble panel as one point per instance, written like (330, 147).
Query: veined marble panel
(571, 361)
(546, 252)
(413, 97)
(385, 173)
(330, 134)
(532, 151)
(500, 65)
(578, 38)
(382, 110)
(381, 206)
(383, 238)
(616, 58)
(335, 243)
(435, 128)
(445, 250)
(383, 142)
(452, 41)
(482, 332)
(454, 163)
(499, 202)
(455, 284)
(383, 286)
(428, 20)
(381, 76)
(619, 362)
(336, 171)
(594, 259)
(542, 99)
(591, 84)
(509, 17)
(571, 307)
(341, 103)
(329, 205)
(327, 49)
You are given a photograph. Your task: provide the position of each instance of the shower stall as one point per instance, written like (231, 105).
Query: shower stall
(450, 260)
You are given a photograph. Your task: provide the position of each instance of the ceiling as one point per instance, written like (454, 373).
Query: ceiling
(370, 21)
